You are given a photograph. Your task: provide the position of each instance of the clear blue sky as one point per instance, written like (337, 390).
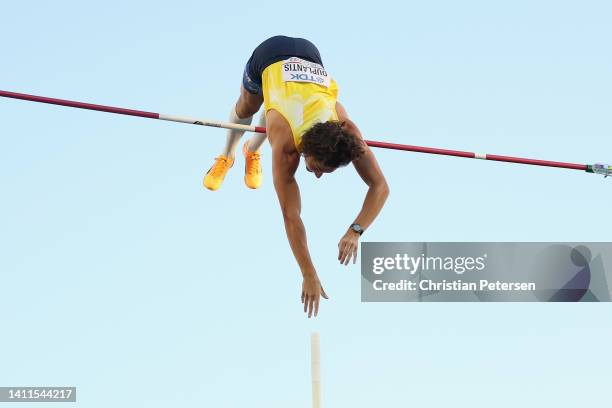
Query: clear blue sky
(121, 275)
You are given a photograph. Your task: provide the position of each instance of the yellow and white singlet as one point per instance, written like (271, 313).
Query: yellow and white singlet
(302, 91)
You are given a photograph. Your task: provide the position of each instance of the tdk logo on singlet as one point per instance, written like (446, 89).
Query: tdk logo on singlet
(299, 70)
(307, 78)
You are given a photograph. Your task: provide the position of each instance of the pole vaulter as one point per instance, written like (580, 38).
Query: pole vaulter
(603, 169)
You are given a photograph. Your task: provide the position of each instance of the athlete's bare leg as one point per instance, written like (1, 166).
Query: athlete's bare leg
(248, 104)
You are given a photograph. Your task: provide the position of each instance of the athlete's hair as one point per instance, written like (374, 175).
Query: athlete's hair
(331, 145)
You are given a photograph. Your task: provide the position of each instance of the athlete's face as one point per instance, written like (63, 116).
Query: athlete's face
(313, 166)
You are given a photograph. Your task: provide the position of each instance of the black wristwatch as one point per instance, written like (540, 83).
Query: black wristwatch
(357, 228)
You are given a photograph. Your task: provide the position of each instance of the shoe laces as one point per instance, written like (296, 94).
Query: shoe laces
(253, 163)
(220, 166)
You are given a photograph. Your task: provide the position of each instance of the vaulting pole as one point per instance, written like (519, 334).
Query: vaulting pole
(603, 169)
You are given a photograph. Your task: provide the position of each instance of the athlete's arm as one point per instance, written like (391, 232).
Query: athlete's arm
(288, 193)
(378, 190)
(284, 166)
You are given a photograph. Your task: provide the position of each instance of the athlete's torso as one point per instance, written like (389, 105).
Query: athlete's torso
(302, 92)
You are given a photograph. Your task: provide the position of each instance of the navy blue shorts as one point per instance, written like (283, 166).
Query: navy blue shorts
(272, 50)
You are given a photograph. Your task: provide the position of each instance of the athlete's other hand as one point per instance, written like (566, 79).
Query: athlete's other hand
(312, 291)
(347, 247)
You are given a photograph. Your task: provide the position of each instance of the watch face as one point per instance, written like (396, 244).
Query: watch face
(356, 228)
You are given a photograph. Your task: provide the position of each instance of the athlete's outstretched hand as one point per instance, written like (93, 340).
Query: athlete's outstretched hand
(347, 247)
(312, 291)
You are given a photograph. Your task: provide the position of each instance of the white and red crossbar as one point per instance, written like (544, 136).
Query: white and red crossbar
(603, 169)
